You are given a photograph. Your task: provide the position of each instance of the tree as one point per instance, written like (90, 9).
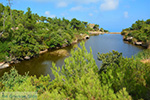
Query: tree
(29, 20)
(75, 23)
(10, 10)
(1, 10)
(85, 23)
(96, 27)
(148, 21)
(42, 18)
(109, 59)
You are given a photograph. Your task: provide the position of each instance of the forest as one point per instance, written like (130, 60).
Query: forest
(139, 32)
(25, 34)
(118, 78)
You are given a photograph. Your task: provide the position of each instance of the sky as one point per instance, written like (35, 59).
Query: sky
(112, 15)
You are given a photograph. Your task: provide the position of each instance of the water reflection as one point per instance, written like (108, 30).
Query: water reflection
(42, 64)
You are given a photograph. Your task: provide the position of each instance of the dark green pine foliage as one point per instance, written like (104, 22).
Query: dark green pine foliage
(77, 79)
(120, 72)
(26, 34)
(140, 31)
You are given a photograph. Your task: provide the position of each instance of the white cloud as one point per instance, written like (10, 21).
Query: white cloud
(90, 14)
(47, 13)
(109, 5)
(77, 8)
(62, 4)
(126, 15)
(85, 1)
(69, 1)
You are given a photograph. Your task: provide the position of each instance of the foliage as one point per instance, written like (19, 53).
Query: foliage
(9, 80)
(96, 27)
(125, 72)
(145, 54)
(26, 34)
(122, 79)
(77, 79)
(109, 58)
(140, 31)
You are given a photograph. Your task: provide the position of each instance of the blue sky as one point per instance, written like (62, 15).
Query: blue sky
(113, 15)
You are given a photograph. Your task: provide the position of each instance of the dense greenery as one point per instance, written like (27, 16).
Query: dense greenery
(140, 31)
(26, 34)
(118, 79)
(145, 54)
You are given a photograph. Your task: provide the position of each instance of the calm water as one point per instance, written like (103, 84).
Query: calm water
(42, 64)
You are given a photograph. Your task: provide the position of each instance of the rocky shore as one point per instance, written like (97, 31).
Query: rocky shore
(114, 32)
(135, 42)
(95, 32)
(78, 38)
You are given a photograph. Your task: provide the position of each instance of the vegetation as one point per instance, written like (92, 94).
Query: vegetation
(26, 34)
(140, 31)
(122, 79)
(145, 54)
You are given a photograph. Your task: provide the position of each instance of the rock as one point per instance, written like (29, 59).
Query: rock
(4, 65)
(64, 45)
(86, 37)
(41, 52)
(129, 38)
(26, 57)
(75, 41)
(138, 43)
(114, 32)
(95, 32)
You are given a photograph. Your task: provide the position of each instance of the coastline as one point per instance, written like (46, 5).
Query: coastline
(78, 38)
(114, 32)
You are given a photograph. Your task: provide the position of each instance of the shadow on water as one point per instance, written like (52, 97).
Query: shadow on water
(42, 64)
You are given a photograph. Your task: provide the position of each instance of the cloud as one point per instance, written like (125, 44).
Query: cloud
(109, 5)
(85, 1)
(62, 4)
(65, 3)
(78, 8)
(90, 14)
(68, 1)
(47, 13)
(126, 15)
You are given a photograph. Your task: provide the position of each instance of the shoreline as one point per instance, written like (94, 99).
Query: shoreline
(130, 40)
(81, 37)
(114, 32)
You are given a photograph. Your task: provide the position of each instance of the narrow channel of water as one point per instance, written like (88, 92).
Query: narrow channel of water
(42, 64)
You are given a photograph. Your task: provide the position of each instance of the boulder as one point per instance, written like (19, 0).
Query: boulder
(86, 37)
(3, 65)
(138, 43)
(41, 52)
(128, 38)
(75, 41)
(26, 57)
